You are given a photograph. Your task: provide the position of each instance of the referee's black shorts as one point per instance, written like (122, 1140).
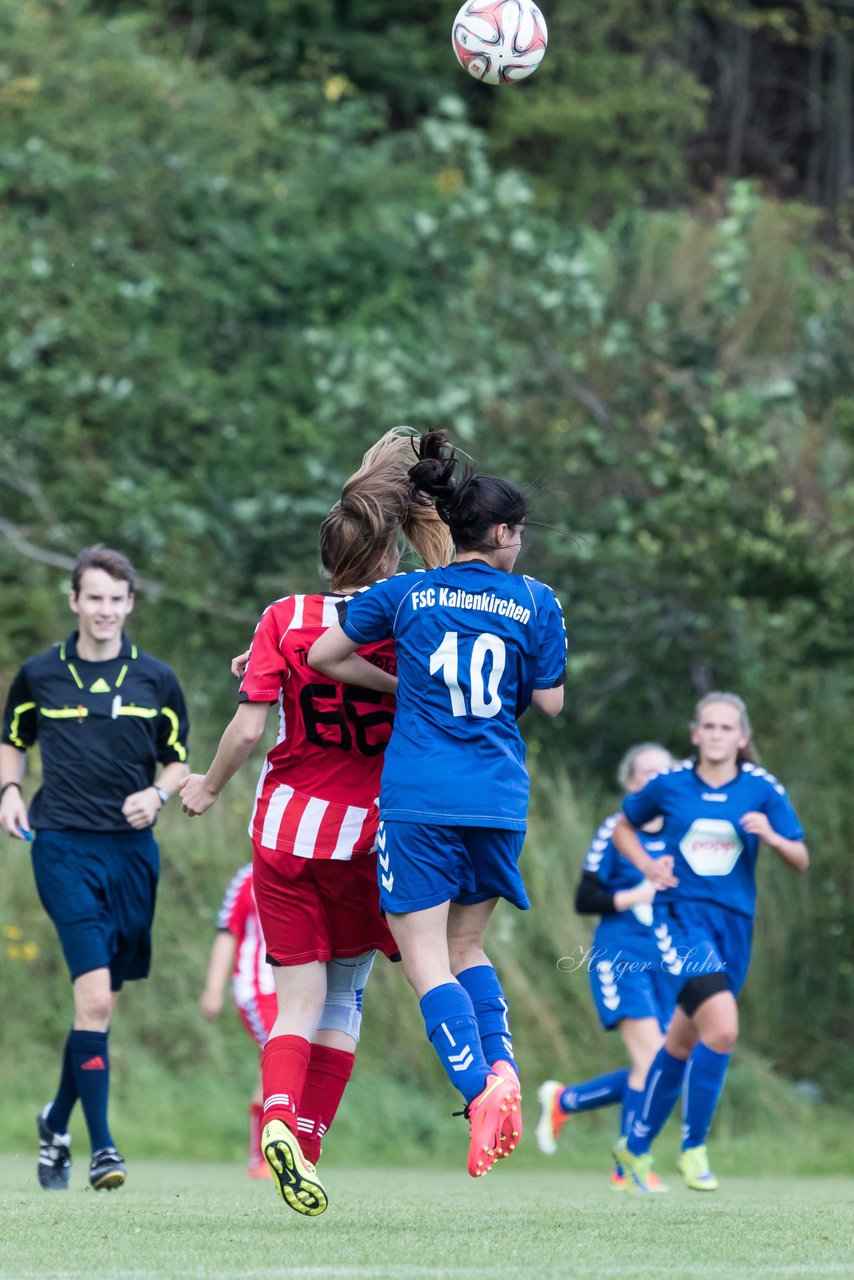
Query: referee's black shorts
(99, 890)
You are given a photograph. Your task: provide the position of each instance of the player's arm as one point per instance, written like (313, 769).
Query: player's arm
(13, 810)
(549, 701)
(200, 790)
(219, 968)
(547, 696)
(659, 871)
(594, 898)
(639, 895)
(334, 653)
(239, 663)
(793, 852)
(20, 728)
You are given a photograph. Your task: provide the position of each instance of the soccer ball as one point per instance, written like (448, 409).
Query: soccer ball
(499, 41)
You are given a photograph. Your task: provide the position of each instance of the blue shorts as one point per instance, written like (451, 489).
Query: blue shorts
(628, 980)
(421, 866)
(707, 938)
(99, 890)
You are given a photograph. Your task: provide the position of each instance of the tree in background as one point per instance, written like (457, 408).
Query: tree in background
(213, 293)
(634, 100)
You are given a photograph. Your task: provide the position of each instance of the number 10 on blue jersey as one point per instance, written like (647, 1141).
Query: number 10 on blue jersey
(483, 697)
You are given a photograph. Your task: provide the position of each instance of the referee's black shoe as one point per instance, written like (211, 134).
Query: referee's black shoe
(54, 1164)
(107, 1170)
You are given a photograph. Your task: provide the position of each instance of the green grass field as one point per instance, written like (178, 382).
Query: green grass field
(206, 1220)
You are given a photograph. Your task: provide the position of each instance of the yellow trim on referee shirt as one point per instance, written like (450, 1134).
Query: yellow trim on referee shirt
(17, 712)
(172, 741)
(64, 713)
(146, 713)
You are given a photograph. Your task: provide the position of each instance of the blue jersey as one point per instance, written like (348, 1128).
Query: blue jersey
(615, 872)
(631, 965)
(714, 857)
(472, 644)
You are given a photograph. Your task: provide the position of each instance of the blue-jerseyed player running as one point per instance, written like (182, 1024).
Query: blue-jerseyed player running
(715, 813)
(629, 965)
(476, 645)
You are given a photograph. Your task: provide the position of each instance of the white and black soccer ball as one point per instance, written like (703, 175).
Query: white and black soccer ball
(499, 41)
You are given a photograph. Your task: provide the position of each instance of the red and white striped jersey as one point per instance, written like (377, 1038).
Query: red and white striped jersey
(252, 976)
(317, 794)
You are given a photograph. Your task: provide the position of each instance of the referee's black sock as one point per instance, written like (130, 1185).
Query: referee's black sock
(59, 1114)
(91, 1063)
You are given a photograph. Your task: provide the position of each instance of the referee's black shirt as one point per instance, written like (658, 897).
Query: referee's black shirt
(101, 728)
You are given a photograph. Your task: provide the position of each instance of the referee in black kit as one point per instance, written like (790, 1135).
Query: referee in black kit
(104, 714)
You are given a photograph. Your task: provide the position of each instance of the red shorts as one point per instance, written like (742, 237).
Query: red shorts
(258, 1017)
(317, 908)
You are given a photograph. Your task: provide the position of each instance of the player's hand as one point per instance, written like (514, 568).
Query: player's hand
(196, 795)
(239, 665)
(638, 896)
(210, 1005)
(644, 892)
(141, 808)
(660, 872)
(757, 824)
(13, 815)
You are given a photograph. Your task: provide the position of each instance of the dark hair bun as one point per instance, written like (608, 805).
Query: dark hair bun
(434, 471)
(471, 505)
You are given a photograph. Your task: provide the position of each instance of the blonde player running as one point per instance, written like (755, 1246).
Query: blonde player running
(717, 812)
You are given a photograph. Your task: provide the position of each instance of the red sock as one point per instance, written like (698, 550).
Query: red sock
(328, 1073)
(284, 1064)
(256, 1124)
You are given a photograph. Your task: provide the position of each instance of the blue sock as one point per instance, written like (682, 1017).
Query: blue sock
(492, 1012)
(632, 1099)
(91, 1063)
(604, 1091)
(66, 1095)
(663, 1082)
(452, 1030)
(704, 1082)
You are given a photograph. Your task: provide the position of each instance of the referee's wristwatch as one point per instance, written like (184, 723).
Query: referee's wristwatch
(164, 795)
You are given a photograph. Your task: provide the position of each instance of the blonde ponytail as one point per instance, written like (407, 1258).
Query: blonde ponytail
(377, 504)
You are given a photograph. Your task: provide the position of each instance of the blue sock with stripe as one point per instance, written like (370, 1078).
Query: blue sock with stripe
(632, 1099)
(704, 1082)
(66, 1095)
(492, 1012)
(451, 1026)
(91, 1062)
(603, 1091)
(663, 1084)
